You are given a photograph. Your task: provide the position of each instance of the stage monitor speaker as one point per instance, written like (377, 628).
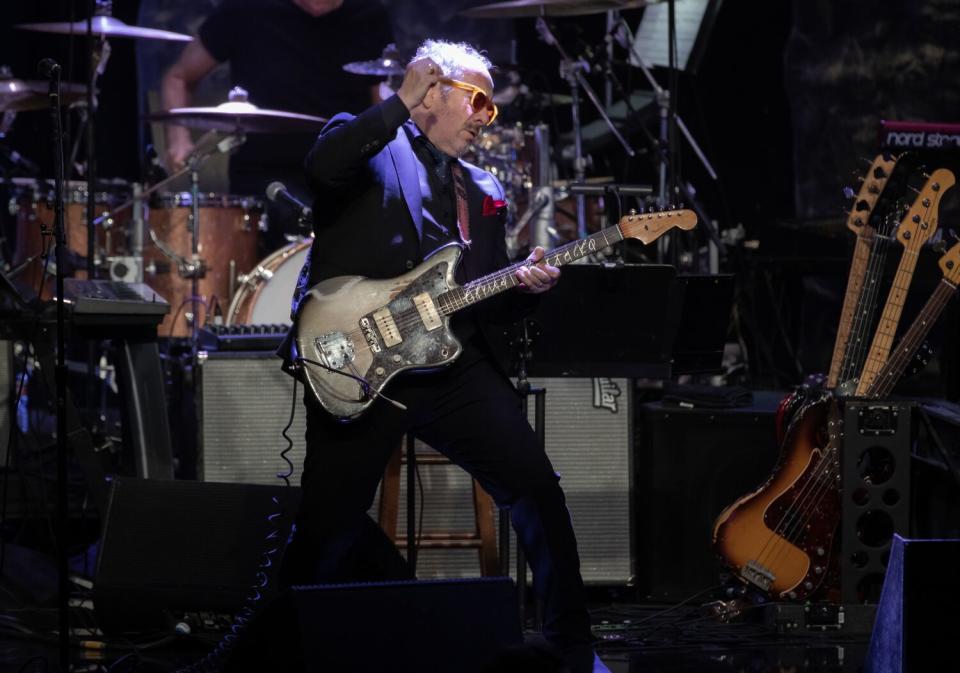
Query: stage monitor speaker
(455, 626)
(183, 546)
(243, 405)
(875, 478)
(918, 617)
(452, 625)
(690, 465)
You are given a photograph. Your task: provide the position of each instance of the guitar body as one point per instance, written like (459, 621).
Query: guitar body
(355, 334)
(780, 538)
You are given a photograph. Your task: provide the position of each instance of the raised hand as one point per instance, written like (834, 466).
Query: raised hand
(420, 76)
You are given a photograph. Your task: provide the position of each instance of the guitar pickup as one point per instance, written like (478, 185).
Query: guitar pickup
(758, 575)
(427, 310)
(387, 327)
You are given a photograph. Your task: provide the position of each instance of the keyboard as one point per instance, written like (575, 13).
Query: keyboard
(112, 297)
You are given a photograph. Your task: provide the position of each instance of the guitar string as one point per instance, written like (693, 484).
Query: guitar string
(867, 303)
(454, 299)
(772, 545)
(901, 284)
(806, 505)
(806, 502)
(913, 247)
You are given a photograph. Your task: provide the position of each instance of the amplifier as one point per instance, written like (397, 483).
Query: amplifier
(243, 404)
(245, 401)
(589, 439)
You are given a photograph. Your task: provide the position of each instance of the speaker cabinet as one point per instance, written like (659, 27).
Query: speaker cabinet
(917, 618)
(245, 402)
(588, 431)
(690, 465)
(875, 476)
(243, 405)
(183, 546)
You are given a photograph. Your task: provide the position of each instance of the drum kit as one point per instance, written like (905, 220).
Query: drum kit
(198, 249)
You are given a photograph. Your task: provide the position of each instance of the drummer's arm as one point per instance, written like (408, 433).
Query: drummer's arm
(176, 90)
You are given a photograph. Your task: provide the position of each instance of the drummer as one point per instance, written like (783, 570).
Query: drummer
(288, 55)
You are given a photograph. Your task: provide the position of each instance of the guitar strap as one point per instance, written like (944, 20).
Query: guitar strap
(463, 214)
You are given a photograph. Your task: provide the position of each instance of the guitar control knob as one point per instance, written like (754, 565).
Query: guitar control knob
(808, 586)
(821, 551)
(817, 570)
(380, 371)
(396, 357)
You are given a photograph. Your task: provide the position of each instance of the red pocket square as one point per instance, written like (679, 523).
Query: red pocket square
(492, 206)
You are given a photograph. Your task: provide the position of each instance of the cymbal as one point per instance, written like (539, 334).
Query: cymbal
(521, 8)
(20, 95)
(239, 117)
(103, 27)
(387, 65)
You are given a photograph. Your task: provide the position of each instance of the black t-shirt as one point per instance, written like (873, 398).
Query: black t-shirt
(289, 60)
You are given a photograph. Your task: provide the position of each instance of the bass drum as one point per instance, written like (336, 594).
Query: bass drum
(264, 295)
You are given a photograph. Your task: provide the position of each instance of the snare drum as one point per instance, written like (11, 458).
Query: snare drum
(263, 296)
(32, 202)
(227, 246)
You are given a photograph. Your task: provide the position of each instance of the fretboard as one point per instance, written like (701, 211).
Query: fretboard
(891, 372)
(505, 279)
(858, 271)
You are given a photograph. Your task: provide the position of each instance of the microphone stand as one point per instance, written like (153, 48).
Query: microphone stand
(63, 586)
(572, 71)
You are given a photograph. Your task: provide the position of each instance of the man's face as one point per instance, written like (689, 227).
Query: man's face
(454, 123)
(317, 8)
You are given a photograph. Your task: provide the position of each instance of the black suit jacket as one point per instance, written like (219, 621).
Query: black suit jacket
(368, 214)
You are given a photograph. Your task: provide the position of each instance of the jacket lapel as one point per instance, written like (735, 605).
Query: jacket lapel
(404, 162)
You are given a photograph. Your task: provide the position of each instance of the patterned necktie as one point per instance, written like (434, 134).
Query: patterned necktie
(463, 215)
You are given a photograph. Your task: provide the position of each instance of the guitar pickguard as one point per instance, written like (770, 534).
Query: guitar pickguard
(414, 336)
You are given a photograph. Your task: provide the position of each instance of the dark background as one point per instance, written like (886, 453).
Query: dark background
(786, 105)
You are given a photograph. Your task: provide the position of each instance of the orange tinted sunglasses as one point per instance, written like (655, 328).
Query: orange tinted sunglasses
(478, 97)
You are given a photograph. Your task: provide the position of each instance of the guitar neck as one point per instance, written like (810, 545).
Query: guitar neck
(887, 377)
(887, 328)
(483, 288)
(858, 271)
(856, 346)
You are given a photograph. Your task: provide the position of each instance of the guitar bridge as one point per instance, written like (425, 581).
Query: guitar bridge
(335, 348)
(758, 575)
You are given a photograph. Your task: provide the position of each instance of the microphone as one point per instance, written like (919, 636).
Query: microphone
(47, 68)
(277, 190)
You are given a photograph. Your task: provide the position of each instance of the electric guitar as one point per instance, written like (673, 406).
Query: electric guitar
(858, 221)
(355, 334)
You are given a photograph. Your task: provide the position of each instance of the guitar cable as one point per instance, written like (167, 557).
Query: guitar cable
(367, 389)
(275, 540)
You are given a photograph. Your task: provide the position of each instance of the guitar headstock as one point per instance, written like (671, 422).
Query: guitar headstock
(950, 264)
(873, 183)
(920, 222)
(648, 227)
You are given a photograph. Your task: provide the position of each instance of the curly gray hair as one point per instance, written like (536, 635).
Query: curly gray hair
(453, 57)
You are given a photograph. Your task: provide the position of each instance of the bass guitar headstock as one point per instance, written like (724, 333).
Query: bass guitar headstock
(920, 222)
(873, 183)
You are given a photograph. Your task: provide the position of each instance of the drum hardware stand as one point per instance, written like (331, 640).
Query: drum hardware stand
(51, 70)
(665, 142)
(572, 71)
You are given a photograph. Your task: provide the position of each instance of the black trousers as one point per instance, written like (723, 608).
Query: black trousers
(472, 414)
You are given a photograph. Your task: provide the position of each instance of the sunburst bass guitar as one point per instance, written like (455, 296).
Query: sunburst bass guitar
(355, 334)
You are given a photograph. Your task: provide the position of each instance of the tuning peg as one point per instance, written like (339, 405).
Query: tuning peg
(879, 173)
(849, 193)
(862, 205)
(632, 212)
